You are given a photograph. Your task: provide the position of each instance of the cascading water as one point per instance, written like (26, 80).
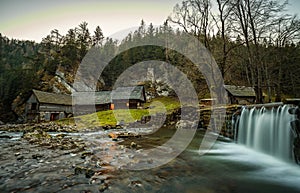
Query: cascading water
(266, 130)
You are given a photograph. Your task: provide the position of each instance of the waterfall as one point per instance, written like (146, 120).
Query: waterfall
(266, 130)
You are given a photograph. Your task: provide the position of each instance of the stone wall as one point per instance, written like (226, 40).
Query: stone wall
(227, 129)
(295, 125)
(148, 121)
(205, 116)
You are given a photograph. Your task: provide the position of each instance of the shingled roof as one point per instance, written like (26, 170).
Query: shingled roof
(241, 91)
(136, 92)
(52, 98)
(89, 98)
(102, 97)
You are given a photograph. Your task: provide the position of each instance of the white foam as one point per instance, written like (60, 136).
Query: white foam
(267, 168)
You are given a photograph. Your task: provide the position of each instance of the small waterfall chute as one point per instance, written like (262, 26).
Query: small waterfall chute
(266, 130)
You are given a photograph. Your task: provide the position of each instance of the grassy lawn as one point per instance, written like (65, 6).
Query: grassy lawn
(110, 117)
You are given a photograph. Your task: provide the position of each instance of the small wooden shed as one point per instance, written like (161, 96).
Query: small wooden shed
(45, 106)
(102, 100)
(207, 102)
(128, 97)
(240, 94)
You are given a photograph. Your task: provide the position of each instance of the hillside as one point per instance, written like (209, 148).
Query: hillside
(52, 65)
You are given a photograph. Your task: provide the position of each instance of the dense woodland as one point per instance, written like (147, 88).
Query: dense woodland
(254, 42)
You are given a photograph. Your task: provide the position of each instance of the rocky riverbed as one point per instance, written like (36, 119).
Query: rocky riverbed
(46, 158)
(39, 161)
(46, 126)
(60, 162)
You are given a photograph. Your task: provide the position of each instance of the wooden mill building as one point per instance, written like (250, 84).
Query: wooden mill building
(45, 106)
(128, 97)
(89, 102)
(240, 94)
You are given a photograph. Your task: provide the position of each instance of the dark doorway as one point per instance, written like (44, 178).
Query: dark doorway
(54, 116)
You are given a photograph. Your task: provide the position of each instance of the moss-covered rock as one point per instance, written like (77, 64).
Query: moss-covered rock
(37, 134)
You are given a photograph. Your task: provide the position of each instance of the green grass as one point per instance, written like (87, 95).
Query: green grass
(110, 117)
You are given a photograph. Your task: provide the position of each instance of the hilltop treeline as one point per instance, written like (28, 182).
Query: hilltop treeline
(254, 42)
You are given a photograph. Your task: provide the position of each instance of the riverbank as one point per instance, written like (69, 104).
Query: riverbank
(46, 126)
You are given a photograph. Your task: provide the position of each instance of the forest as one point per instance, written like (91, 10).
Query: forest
(254, 42)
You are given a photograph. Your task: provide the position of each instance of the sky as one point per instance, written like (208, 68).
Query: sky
(34, 19)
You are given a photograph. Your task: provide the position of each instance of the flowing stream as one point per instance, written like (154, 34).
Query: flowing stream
(227, 168)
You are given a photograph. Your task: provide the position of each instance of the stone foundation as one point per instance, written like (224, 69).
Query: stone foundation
(295, 125)
(203, 123)
(227, 128)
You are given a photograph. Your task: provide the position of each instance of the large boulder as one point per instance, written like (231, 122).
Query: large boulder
(186, 124)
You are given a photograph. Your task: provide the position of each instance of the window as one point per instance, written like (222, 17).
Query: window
(33, 106)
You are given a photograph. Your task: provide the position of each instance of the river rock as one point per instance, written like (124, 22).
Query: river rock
(294, 110)
(296, 127)
(135, 183)
(185, 124)
(88, 172)
(20, 157)
(115, 135)
(42, 138)
(36, 156)
(5, 137)
(17, 154)
(85, 154)
(103, 187)
(133, 145)
(37, 134)
(106, 127)
(30, 127)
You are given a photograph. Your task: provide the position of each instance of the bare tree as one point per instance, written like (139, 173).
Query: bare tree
(285, 30)
(194, 17)
(252, 20)
(223, 23)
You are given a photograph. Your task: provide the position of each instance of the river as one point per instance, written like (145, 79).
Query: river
(227, 167)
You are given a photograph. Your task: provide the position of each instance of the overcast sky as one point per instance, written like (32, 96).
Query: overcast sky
(34, 19)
